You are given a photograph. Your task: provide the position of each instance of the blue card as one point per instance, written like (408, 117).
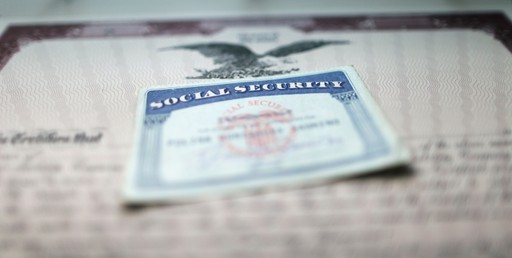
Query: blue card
(212, 139)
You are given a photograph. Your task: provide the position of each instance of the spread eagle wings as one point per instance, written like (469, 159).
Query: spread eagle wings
(241, 56)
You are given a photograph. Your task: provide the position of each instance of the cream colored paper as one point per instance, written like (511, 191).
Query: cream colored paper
(447, 93)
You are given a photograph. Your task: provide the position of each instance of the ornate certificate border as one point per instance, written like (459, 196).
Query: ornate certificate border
(493, 23)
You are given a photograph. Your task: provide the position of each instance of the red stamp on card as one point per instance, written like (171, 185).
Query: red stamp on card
(257, 128)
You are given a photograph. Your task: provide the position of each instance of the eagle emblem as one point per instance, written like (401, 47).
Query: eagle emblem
(238, 61)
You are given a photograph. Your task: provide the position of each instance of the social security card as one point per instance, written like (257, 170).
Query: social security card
(210, 139)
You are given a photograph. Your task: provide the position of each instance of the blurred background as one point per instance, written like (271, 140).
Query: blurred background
(169, 9)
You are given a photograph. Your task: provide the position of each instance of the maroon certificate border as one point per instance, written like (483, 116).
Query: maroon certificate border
(495, 24)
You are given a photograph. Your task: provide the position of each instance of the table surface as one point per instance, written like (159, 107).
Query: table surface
(110, 10)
